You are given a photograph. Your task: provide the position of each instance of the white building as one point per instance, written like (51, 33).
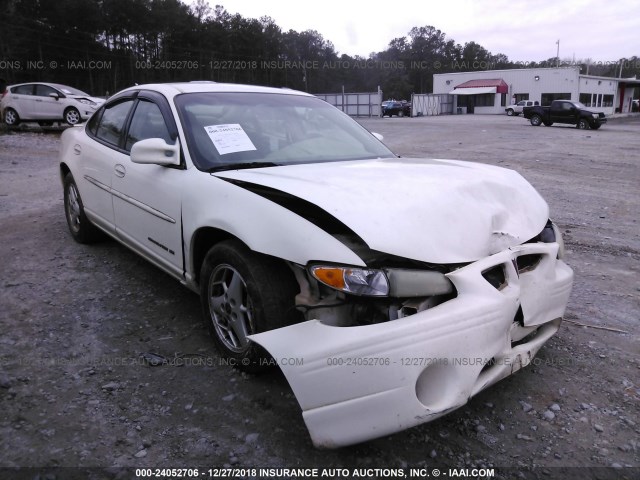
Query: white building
(491, 91)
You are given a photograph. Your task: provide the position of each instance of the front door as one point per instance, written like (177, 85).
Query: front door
(147, 198)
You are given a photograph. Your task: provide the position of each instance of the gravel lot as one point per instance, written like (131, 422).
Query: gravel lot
(75, 320)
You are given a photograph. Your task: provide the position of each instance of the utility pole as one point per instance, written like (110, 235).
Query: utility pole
(558, 53)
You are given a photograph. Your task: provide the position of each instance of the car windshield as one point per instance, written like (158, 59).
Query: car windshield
(579, 105)
(240, 130)
(67, 90)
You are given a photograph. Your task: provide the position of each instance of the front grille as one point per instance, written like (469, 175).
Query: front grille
(526, 263)
(496, 277)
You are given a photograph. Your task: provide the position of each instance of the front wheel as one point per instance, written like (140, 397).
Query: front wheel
(583, 124)
(510, 112)
(81, 228)
(244, 293)
(72, 116)
(536, 120)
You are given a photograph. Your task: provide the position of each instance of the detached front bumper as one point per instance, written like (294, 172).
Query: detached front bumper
(359, 383)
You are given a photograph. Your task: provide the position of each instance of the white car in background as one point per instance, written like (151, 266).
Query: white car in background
(388, 290)
(46, 103)
(516, 109)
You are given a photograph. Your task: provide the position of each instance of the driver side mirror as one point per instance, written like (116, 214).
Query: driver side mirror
(155, 151)
(377, 135)
(54, 95)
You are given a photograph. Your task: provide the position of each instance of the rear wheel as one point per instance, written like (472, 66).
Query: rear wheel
(244, 293)
(11, 117)
(81, 228)
(536, 120)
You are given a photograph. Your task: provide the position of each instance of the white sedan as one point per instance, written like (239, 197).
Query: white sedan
(388, 290)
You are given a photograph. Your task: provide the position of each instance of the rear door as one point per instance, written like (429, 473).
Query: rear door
(21, 99)
(99, 156)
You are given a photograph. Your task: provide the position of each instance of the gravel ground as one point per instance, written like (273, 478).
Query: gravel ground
(75, 320)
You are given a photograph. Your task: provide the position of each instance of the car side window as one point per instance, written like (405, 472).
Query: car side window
(45, 90)
(147, 122)
(113, 121)
(23, 90)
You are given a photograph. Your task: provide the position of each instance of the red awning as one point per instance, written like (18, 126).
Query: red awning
(498, 83)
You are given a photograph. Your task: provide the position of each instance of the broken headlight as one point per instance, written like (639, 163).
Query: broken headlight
(357, 281)
(392, 282)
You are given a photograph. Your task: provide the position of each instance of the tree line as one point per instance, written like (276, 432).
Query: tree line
(102, 46)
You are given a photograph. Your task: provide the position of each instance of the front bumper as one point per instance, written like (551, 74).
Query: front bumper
(359, 383)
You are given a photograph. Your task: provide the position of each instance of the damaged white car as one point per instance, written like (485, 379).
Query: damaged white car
(389, 290)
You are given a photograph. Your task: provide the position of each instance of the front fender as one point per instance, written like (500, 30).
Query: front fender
(263, 225)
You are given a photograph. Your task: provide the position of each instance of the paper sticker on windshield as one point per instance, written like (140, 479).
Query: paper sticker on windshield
(229, 138)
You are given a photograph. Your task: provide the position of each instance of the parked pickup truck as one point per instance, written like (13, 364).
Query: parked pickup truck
(565, 111)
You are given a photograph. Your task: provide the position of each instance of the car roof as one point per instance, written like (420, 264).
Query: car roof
(170, 90)
(57, 86)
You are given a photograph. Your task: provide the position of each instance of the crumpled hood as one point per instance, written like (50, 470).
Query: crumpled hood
(96, 100)
(438, 211)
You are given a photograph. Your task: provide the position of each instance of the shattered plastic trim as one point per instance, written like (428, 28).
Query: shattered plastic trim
(421, 367)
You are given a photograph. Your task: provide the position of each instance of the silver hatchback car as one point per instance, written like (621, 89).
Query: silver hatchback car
(46, 103)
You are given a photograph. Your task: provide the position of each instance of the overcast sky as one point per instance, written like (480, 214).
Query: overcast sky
(522, 30)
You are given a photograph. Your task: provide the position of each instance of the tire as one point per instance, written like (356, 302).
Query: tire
(242, 293)
(401, 113)
(72, 116)
(510, 112)
(536, 120)
(595, 127)
(81, 228)
(583, 124)
(11, 117)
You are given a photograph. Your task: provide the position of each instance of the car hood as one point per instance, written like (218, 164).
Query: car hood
(437, 211)
(96, 100)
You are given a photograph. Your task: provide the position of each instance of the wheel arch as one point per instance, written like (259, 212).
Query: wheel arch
(202, 241)
(64, 171)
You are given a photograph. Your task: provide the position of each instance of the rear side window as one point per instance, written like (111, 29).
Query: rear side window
(147, 122)
(112, 122)
(23, 90)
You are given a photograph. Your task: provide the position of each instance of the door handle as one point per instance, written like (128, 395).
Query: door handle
(120, 170)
